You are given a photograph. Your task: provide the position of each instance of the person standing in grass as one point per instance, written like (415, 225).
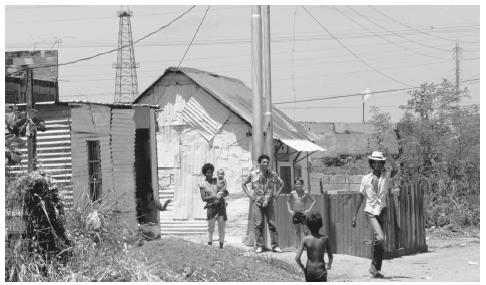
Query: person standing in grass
(316, 245)
(262, 197)
(299, 205)
(216, 211)
(375, 188)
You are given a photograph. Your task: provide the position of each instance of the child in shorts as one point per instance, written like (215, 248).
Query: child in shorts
(299, 206)
(316, 245)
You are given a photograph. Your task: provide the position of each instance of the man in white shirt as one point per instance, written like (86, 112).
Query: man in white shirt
(375, 188)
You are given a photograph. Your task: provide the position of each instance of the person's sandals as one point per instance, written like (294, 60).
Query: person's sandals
(379, 275)
(277, 249)
(373, 271)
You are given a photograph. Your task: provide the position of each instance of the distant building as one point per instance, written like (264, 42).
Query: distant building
(45, 78)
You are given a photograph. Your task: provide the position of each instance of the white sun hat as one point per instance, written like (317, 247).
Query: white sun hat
(377, 155)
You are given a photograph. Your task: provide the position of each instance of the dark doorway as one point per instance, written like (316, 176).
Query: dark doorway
(286, 175)
(143, 176)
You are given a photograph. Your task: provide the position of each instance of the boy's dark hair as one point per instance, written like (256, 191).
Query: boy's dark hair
(206, 167)
(314, 222)
(299, 179)
(262, 157)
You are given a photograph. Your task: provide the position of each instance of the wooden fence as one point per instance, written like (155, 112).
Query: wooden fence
(404, 224)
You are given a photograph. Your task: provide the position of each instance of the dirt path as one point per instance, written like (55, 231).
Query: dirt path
(452, 256)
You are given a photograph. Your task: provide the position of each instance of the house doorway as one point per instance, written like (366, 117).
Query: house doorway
(285, 172)
(143, 177)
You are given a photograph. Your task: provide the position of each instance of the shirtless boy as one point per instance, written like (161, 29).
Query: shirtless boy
(316, 245)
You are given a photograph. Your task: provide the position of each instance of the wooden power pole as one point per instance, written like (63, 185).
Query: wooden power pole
(267, 85)
(256, 71)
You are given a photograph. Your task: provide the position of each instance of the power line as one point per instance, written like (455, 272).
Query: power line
(391, 42)
(282, 52)
(275, 39)
(194, 36)
(398, 35)
(108, 18)
(357, 94)
(355, 55)
(284, 79)
(410, 27)
(110, 93)
(110, 51)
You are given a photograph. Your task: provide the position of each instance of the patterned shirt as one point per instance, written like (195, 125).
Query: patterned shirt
(262, 185)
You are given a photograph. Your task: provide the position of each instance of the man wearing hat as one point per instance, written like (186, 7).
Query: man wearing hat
(374, 187)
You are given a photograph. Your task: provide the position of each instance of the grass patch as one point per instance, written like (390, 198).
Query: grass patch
(188, 261)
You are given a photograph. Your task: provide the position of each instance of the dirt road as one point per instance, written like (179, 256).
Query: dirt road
(452, 256)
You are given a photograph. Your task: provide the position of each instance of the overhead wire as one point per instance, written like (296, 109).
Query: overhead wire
(275, 39)
(194, 36)
(411, 27)
(354, 54)
(384, 38)
(109, 51)
(359, 94)
(398, 35)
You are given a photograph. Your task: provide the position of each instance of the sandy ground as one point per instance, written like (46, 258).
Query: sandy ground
(452, 256)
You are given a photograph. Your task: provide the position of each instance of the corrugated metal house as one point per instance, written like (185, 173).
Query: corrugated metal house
(112, 150)
(206, 117)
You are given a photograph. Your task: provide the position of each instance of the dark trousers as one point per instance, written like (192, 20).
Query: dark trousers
(376, 223)
(259, 213)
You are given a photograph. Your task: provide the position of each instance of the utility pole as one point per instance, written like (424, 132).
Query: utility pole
(29, 82)
(256, 72)
(267, 85)
(457, 52)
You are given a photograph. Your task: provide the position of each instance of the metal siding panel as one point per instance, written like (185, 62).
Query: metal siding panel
(123, 159)
(205, 113)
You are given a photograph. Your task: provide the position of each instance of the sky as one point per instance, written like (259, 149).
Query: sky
(316, 51)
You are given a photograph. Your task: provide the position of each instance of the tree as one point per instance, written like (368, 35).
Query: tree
(439, 140)
(20, 124)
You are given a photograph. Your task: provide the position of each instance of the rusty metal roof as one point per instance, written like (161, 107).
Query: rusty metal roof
(235, 95)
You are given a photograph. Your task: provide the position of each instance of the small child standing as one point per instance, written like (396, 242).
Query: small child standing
(316, 245)
(299, 205)
(220, 189)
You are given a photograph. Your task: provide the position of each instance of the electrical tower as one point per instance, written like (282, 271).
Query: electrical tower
(126, 84)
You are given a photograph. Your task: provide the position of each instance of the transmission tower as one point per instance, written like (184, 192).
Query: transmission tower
(126, 84)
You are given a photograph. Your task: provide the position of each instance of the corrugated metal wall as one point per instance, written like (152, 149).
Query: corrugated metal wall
(123, 157)
(404, 224)
(185, 148)
(88, 126)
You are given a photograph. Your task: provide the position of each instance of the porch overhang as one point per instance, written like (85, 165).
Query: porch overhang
(302, 145)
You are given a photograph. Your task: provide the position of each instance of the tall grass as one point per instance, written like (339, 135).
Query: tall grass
(101, 254)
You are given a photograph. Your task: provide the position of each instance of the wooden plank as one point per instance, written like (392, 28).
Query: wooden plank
(415, 216)
(409, 218)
